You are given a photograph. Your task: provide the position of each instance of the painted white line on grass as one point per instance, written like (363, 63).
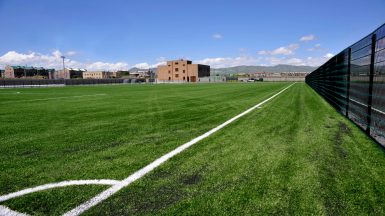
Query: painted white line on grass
(53, 98)
(56, 185)
(140, 173)
(4, 211)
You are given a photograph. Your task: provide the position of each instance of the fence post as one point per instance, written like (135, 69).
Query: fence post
(371, 75)
(348, 83)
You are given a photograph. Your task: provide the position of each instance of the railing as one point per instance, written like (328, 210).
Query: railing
(353, 81)
(9, 83)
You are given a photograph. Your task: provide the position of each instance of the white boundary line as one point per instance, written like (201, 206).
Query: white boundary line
(5, 211)
(140, 173)
(56, 185)
(53, 98)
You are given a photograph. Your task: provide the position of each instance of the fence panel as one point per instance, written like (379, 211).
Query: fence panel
(47, 82)
(354, 83)
(378, 104)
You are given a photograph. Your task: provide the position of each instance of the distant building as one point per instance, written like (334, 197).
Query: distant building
(141, 74)
(116, 74)
(28, 72)
(100, 75)
(283, 76)
(182, 71)
(70, 73)
(95, 75)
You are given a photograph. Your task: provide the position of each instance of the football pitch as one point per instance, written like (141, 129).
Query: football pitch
(294, 154)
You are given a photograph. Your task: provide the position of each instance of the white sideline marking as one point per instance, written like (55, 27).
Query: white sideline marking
(56, 185)
(140, 173)
(53, 98)
(4, 211)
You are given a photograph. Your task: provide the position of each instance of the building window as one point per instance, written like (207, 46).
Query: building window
(169, 72)
(184, 71)
(184, 78)
(169, 78)
(176, 69)
(176, 75)
(176, 63)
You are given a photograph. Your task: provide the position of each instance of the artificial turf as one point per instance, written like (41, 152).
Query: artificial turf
(295, 155)
(104, 132)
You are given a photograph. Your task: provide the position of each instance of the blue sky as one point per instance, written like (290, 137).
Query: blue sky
(119, 34)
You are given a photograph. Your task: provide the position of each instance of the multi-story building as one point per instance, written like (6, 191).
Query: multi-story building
(101, 75)
(28, 72)
(116, 74)
(70, 73)
(182, 71)
(96, 75)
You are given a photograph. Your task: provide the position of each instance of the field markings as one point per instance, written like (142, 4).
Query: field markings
(5, 211)
(57, 185)
(53, 98)
(140, 173)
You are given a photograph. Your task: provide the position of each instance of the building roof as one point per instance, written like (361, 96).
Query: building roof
(30, 67)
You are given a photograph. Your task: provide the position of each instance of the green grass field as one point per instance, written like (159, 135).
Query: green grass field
(295, 155)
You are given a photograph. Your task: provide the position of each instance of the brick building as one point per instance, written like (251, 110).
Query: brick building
(70, 73)
(182, 71)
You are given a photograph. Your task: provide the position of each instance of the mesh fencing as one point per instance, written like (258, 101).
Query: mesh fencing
(353, 81)
(48, 82)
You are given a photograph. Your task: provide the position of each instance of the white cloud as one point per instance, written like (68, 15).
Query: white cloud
(217, 36)
(284, 50)
(71, 53)
(53, 60)
(161, 59)
(316, 47)
(221, 62)
(328, 55)
(145, 65)
(307, 38)
(284, 60)
(95, 66)
(230, 61)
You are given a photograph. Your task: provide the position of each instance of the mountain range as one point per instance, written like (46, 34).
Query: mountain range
(252, 69)
(271, 69)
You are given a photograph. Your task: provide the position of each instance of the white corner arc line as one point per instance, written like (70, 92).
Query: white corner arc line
(56, 185)
(5, 211)
(140, 173)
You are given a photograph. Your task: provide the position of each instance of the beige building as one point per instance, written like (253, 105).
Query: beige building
(96, 75)
(101, 75)
(182, 71)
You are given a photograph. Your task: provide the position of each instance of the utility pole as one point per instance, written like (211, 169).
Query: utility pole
(63, 57)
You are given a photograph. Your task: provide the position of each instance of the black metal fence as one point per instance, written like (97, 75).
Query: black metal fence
(6, 83)
(353, 81)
